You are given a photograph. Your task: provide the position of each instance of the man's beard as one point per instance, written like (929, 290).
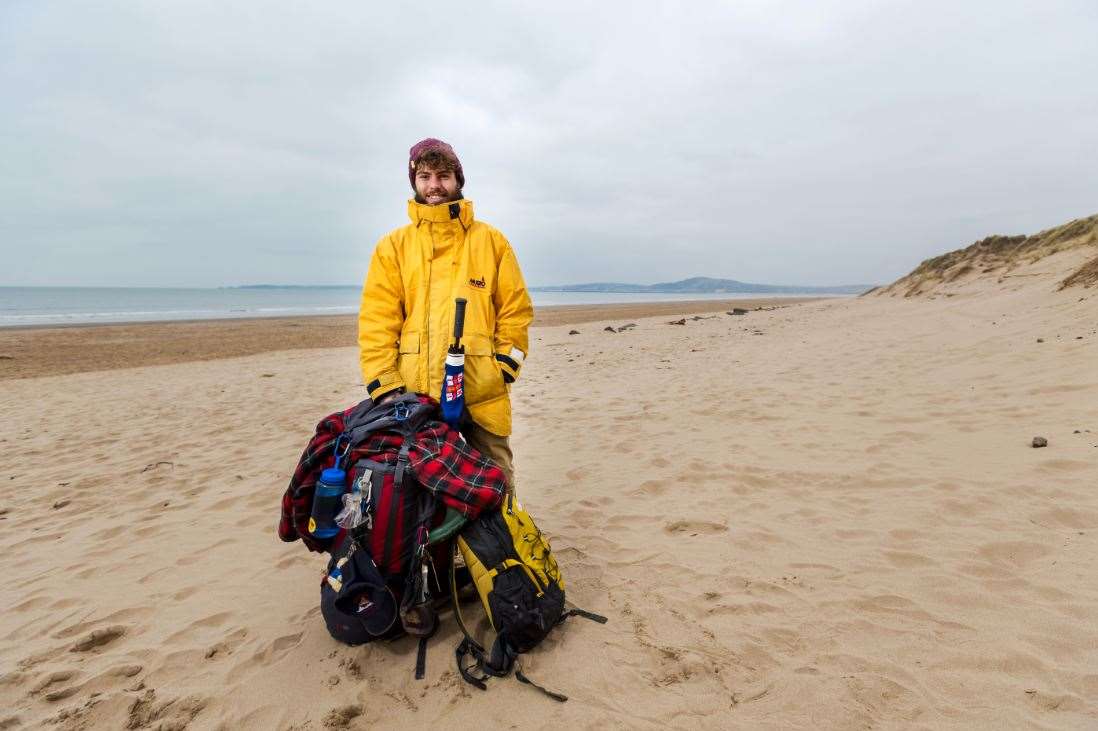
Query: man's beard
(457, 196)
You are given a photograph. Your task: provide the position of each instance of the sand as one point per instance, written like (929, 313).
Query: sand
(822, 516)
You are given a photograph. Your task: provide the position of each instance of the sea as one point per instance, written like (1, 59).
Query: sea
(34, 306)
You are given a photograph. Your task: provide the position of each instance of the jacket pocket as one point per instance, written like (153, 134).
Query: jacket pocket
(408, 360)
(409, 342)
(480, 314)
(483, 376)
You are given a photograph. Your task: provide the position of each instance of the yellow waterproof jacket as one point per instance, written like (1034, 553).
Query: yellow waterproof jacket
(406, 321)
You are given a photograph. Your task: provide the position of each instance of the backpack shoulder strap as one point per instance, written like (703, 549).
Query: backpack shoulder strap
(402, 462)
(468, 645)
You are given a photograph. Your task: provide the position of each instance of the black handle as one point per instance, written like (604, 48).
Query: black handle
(459, 319)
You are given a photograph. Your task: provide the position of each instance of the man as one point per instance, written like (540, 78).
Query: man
(405, 323)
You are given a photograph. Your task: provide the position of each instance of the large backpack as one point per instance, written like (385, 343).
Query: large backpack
(373, 587)
(391, 495)
(379, 571)
(520, 586)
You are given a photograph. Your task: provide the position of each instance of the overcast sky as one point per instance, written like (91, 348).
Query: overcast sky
(198, 143)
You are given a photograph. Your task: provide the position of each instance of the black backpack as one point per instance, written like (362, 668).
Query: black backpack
(520, 586)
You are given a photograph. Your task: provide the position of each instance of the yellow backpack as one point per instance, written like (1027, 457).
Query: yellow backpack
(520, 586)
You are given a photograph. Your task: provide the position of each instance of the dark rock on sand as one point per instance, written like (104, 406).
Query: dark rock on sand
(678, 322)
(628, 326)
(573, 332)
(1039, 442)
(609, 329)
(738, 311)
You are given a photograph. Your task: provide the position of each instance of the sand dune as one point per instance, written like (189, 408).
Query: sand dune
(1066, 254)
(823, 516)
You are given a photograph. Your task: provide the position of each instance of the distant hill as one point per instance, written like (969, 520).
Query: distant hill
(1066, 255)
(704, 285)
(294, 286)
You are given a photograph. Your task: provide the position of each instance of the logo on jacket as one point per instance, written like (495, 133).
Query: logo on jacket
(478, 283)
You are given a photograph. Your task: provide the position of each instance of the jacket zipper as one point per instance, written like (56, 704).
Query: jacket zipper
(427, 336)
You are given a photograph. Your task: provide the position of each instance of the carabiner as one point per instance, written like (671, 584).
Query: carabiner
(344, 441)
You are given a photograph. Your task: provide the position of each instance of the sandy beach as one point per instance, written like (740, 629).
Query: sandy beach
(826, 515)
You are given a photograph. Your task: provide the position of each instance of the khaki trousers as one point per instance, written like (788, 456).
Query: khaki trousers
(494, 447)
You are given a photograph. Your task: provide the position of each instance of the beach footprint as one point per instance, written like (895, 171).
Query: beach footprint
(98, 638)
(694, 527)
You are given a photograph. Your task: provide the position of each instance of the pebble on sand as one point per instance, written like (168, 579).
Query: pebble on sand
(1039, 442)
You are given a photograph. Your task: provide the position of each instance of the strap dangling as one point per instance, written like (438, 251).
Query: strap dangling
(421, 659)
(499, 661)
(421, 654)
(552, 694)
(465, 648)
(577, 612)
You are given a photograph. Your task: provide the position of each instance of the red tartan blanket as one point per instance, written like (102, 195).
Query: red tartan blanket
(439, 459)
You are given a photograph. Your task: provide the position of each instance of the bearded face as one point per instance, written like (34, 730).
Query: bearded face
(435, 186)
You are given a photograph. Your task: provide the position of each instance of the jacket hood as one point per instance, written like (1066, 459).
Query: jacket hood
(460, 210)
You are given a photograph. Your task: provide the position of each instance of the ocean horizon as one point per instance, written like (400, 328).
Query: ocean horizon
(31, 306)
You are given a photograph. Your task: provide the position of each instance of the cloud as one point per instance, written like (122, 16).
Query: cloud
(819, 143)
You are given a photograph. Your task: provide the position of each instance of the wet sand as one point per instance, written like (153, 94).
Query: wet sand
(51, 351)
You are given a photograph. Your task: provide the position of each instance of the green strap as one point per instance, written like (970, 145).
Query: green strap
(451, 524)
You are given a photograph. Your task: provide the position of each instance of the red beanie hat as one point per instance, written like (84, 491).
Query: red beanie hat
(432, 145)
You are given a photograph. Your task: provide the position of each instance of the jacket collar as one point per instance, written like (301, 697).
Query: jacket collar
(461, 211)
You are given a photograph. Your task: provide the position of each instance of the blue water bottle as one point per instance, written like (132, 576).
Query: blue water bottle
(328, 498)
